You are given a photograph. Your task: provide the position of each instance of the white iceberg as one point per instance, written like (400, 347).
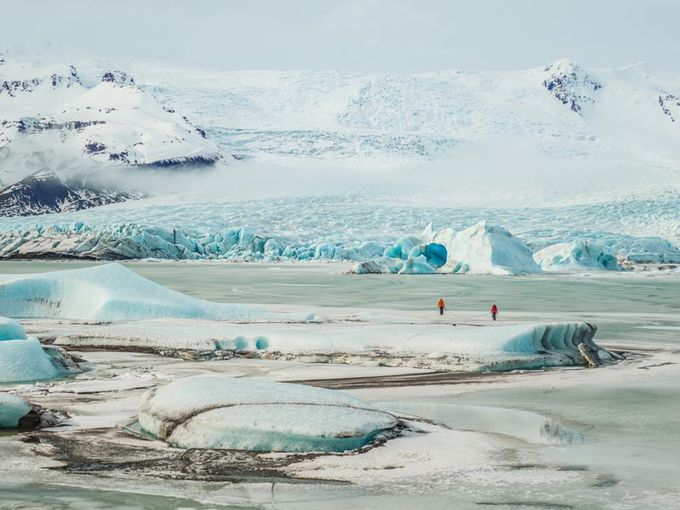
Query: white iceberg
(486, 249)
(22, 359)
(576, 256)
(12, 409)
(109, 292)
(211, 411)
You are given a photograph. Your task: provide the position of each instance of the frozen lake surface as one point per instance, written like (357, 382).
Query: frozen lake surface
(572, 438)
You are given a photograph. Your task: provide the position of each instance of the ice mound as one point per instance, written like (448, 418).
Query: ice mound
(576, 256)
(486, 249)
(378, 266)
(211, 411)
(12, 409)
(108, 292)
(23, 359)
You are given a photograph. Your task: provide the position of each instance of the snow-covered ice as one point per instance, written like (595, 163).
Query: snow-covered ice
(223, 412)
(12, 408)
(110, 292)
(434, 346)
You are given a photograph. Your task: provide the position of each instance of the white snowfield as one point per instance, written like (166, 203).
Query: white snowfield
(111, 292)
(50, 112)
(222, 412)
(22, 358)
(12, 409)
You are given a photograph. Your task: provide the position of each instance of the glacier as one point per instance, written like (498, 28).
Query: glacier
(112, 292)
(211, 411)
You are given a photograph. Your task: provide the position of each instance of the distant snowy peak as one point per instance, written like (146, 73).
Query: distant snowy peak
(570, 84)
(45, 192)
(50, 111)
(119, 78)
(16, 79)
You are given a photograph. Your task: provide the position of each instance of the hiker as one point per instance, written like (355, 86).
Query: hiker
(494, 311)
(441, 305)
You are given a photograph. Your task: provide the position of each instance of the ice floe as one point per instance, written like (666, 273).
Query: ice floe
(222, 412)
(109, 292)
(417, 345)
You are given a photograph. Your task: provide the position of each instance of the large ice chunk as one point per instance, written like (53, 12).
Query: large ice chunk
(11, 329)
(12, 409)
(486, 249)
(25, 360)
(576, 256)
(211, 411)
(108, 292)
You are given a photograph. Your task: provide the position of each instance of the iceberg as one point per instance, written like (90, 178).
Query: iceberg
(211, 411)
(24, 359)
(110, 292)
(576, 256)
(431, 346)
(12, 409)
(486, 249)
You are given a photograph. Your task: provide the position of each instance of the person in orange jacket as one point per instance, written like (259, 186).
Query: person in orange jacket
(441, 304)
(494, 311)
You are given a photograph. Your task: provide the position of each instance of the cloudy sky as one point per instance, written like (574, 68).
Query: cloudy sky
(357, 35)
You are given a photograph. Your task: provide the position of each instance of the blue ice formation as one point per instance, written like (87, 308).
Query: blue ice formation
(22, 359)
(213, 411)
(12, 409)
(111, 292)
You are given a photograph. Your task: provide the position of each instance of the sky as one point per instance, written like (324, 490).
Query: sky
(399, 36)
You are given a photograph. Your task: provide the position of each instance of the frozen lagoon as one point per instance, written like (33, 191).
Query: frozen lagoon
(576, 438)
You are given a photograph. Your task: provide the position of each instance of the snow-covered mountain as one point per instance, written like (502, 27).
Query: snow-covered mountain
(46, 192)
(47, 116)
(561, 111)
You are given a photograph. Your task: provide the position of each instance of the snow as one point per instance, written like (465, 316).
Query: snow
(12, 408)
(576, 256)
(106, 293)
(223, 412)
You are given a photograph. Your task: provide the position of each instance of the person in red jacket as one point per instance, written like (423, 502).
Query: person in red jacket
(494, 311)
(441, 305)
